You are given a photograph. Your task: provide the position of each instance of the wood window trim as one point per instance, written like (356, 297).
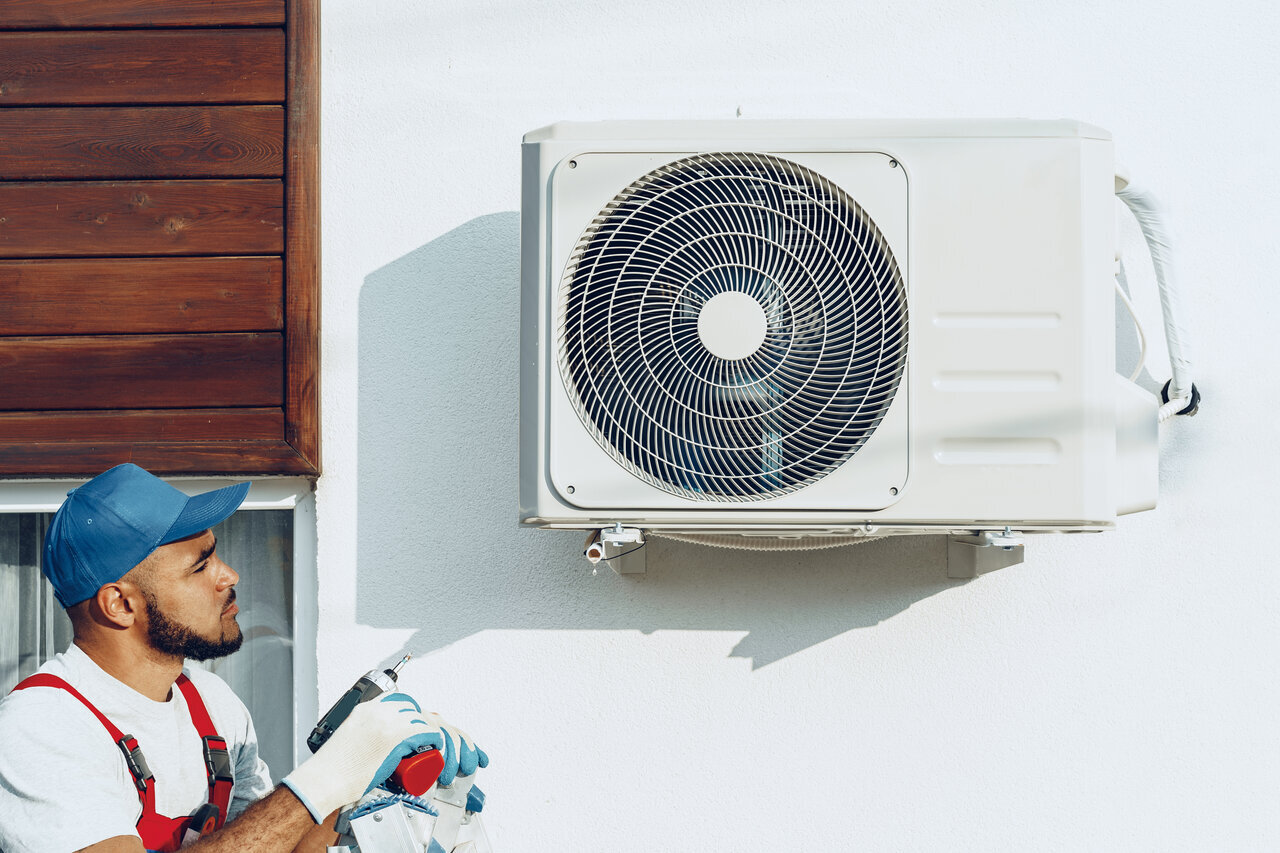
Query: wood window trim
(302, 230)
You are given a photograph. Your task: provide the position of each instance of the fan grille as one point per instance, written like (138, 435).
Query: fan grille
(791, 408)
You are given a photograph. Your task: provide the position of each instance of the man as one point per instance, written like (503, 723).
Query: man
(112, 747)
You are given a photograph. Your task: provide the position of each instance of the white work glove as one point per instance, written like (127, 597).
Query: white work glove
(366, 748)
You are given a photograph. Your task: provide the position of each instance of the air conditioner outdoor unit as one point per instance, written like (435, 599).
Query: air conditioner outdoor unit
(825, 330)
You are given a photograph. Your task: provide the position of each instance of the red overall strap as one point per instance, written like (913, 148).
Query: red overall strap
(217, 759)
(128, 745)
(160, 833)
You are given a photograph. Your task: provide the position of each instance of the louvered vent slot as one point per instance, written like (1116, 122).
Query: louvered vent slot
(732, 327)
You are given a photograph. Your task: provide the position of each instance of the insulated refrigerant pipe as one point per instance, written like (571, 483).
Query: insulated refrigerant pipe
(1146, 211)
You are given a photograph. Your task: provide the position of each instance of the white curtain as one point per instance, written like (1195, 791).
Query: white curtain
(33, 626)
(258, 544)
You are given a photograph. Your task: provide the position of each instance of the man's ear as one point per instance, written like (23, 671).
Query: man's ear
(119, 603)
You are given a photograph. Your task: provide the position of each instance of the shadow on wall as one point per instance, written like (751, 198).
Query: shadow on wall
(439, 546)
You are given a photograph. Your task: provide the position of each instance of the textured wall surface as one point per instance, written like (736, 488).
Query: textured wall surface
(1115, 692)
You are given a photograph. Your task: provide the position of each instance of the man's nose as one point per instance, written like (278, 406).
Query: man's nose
(228, 577)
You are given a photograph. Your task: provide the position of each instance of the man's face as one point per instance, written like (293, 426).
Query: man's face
(190, 596)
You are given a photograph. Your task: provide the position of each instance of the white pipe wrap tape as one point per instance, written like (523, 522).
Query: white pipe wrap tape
(1147, 211)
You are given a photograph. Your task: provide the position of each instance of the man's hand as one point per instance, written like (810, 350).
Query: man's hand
(369, 744)
(461, 758)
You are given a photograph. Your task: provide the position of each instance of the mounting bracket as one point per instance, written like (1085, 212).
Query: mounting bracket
(970, 556)
(622, 548)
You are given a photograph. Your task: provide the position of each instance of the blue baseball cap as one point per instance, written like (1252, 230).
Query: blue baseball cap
(113, 522)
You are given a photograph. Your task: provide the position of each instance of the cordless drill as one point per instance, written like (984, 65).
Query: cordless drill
(415, 774)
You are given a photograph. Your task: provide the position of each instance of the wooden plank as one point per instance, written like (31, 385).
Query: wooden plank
(260, 424)
(58, 459)
(302, 253)
(149, 142)
(37, 14)
(140, 296)
(141, 371)
(212, 217)
(142, 67)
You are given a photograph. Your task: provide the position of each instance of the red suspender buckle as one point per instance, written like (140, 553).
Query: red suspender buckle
(218, 760)
(136, 762)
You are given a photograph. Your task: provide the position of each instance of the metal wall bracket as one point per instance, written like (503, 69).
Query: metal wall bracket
(627, 560)
(970, 556)
(622, 549)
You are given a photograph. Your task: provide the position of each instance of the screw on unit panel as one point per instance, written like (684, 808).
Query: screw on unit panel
(573, 164)
(570, 489)
(893, 164)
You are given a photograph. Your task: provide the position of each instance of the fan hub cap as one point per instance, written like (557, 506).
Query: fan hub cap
(732, 325)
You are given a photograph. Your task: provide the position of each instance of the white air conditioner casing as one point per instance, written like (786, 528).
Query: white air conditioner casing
(992, 244)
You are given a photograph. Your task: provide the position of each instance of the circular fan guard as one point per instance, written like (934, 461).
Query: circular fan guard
(645, 384)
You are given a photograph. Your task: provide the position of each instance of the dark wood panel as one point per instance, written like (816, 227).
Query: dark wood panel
(141, 372)
(148, 142)
(36, 14)
(262, 424)
(142, 67)
(212, 217)
(49, 230)
(140, 295)
(209, 458)
(302, 254)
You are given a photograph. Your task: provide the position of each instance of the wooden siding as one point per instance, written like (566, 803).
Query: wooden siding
(67, 219)
(97, 296)
(120, 371)
(37, 14)
(143, 426)
(159, 260)
(152, 142)
(142, 67)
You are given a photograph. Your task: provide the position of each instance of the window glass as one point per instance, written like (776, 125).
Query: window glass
(33, 626)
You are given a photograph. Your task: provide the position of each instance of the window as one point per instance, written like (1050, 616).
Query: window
(267, 544)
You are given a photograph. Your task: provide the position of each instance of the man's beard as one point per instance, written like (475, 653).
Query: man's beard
(172, 638)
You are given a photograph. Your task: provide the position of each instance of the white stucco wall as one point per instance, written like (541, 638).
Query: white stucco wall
(1115, 692)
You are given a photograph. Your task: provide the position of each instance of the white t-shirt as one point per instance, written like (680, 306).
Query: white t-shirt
(63, 782)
